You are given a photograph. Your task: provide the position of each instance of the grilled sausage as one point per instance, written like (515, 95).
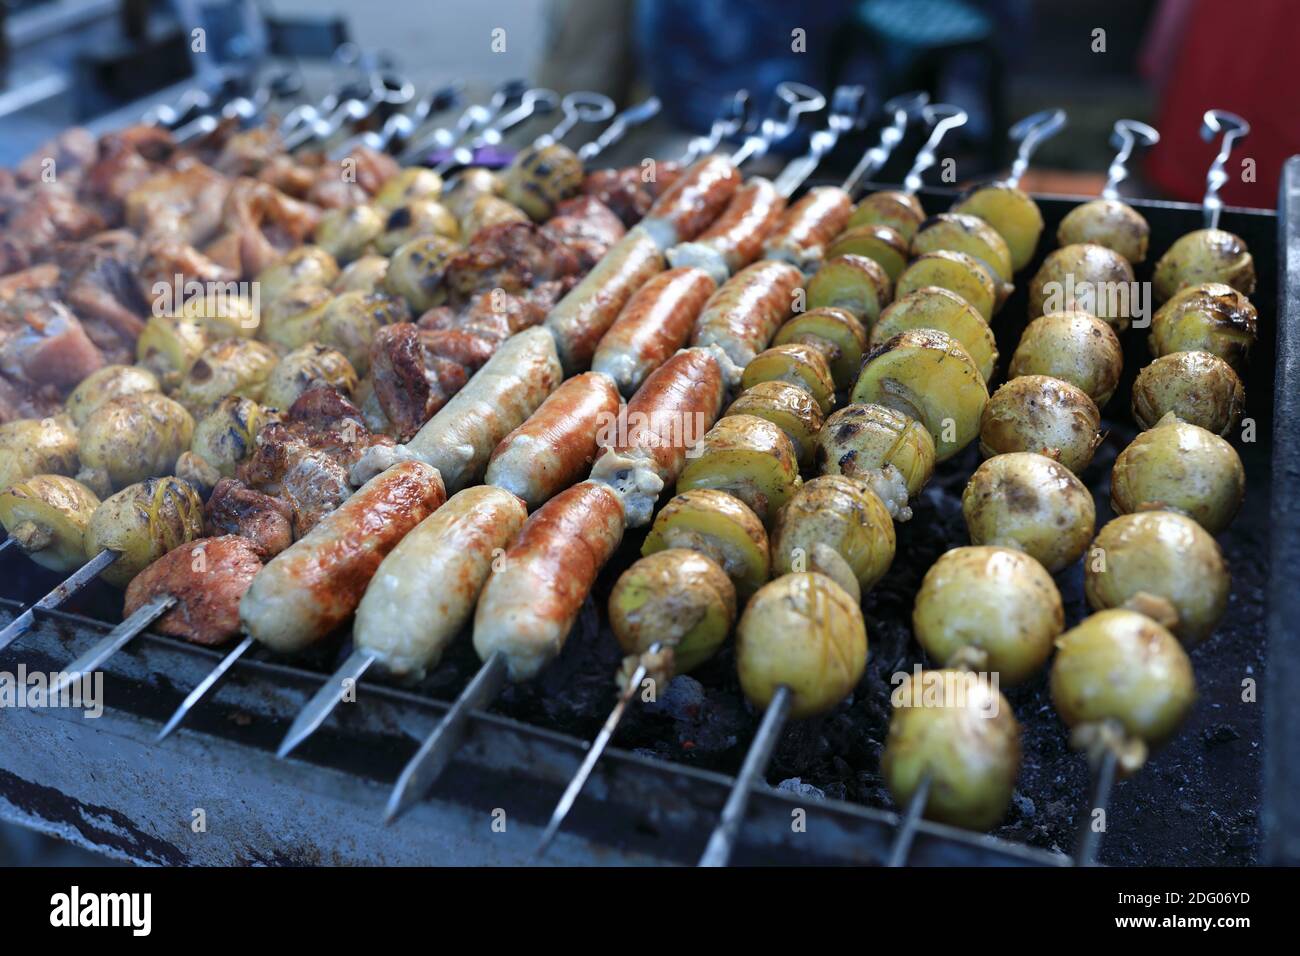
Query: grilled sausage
(207, 576)
(309, 589)
(692, 203)
(665, 419)
(743, 315)
(425, 590)
(582, 317)
(557, 444)
(528, 606)
(654, 324)
(736, 237)
(804, 231)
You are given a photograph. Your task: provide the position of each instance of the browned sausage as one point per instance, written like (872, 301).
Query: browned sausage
(692, 203)
(807, 228)
(654, 324)
(736, 237)
(207, 577)
(743, 315)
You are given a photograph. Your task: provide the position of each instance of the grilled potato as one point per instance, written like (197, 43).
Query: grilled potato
(1211, 317)
(1107, 222)
(351, 320)
(879, 243)
(365, 274)
(973, 236)
(1012, 213)
(224, 437)
(47, 516)
(1043, 415)
(957, 272)
(717, 525)
(883, 447)
(489, 211)
(1206, 255)
(110, 382)
(789, 408)
(934, 308)
(899, 211)
(229, 367)
(540, 179)
(416, 270)
(143, 522)
(468, 187)
(221, 315)
(168, 346)
(37, 446)
(799, 365)
(130, 439)
(750, 458)
(296, 317)
(857, 284)
(835, 333)
(350, 232)
(1198, 387)
(410, 184)
(419, 217)
(303, 266)
(1074, 347)
(313, 364)
(1092, 278)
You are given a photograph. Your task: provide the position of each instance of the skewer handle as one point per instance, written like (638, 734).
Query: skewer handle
(1031, 132)
(940, 117)
(1233, 128)
(902, 109)
(1128, 134)
(642, 112)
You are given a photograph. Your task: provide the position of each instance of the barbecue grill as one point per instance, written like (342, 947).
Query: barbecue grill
(1220, 793)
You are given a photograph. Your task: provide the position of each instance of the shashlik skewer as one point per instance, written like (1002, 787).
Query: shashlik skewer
(1109, 221)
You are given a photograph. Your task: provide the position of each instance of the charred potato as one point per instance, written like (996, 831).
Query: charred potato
(835, 333)
(169, 345)
(304, 368)
(469, 186)
(362, 275)
(789, 408)
(748, 457)
(803, 632)
(851, 282)
(1107, 222)
(1085, 277)
(958, 730)
(1198, 387)
(988, 609)
(883, 447)
(540, 179)
(955, 271)
(47, 515)
(1043, 415)
(935, 308)
(130, 439)
(1163, 565)
(678, 598)
(973, 236)
(349, 232)
(229, 367)
(928, 376)
(835, 526)
(1179, 467)
(143, 522)
(881, 244)
(37, 446)
(1074, 347)
(489, 211)
(416, 271)
(1012, 213)
(295, 318)
(410, 184)
(351, 320)
(1206, 255)
(110, 382)
(224, 437)
(419, 217)
(800, 365)
(222, 315)
(1212, 318)
(1032, 504)
(899, 211)
(303, 266)
(717, 525)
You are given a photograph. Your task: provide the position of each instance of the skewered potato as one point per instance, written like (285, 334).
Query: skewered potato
(1012, 213)
(935, 308)
(468, 186)
(303, 266)
(224, 437)
(1087, 277)
(409, 184)
(678, 598)
(106, 384)
(887, 449)
(1206, 255)
(1212, 317)
(1074, 347)
(490, 211)
(973, 236)
(1122, 670)
(143, 522)
(835, 333)
(349, 232)
(928, 376)
(838, 527)
(1107, 222)
(351, 320)
(988, 609)
(130, 439)
(717, 525)
(362, 275)
(803, 632)
(37, 446)
(1181, 467)
(1032, 504)
(879, 243)
(168, 346)
(789, 408)
(1163, 565)
(900, 211)
(800, 365)
(47, 516)
(229, 367)
(750, 458)
(313, 364)
(419, 217)
(540, 179)
(222, 315)
(956, 272)
(295, 318)
(415, 271)
(1198, 387)
(959, 731)
(851, 282)
(1043, 415)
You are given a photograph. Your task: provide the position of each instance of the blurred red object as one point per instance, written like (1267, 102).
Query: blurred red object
(1233, 56)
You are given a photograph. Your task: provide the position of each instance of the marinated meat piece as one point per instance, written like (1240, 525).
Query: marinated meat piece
(72, 151)
(162, 259)
(626, 192)
(411, 384)
(184, 203)
(24, 400)
(289, 175)
(370, 170)
(260, 224)
(512, 256)
(248, 152)
(234, 508)
(100, 283)
(469, 338)
(207, 576)
(44, 344)
(49, 215)
(586, 226)
(126, 159)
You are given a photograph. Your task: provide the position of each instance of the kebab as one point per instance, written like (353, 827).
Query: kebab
(1109, 221)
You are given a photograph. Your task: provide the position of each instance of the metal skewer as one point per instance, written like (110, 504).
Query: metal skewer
(7, 544)
(1233, 128)
(940, 117)
(723, 840)
(92, 569)
(1103, 782)
(1127, 134)
(201, 690)
(732, 120)
(635, 115)
(534, 102)
(1030, 133)
(401, 126)
(473, 118)
(116, 639)
(800, 99)
(907, 824)
(849, 111)
(902, 109)
(282, 85)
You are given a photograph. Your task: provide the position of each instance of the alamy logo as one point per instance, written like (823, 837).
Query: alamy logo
(74, 909)
(53, 689)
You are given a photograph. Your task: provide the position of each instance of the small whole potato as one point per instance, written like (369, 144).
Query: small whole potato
(130, 439)
(854, 283)
(419, 217)
(748, 457)
(838, 527)
(1012, 213)
(788, 407)
(1164, 565)
(719, 526)
(988, 609)
(225, 436)
(303, 266)
(47, 515)
(1181, 467)
(1030, 503)
(1107, 222)
(835, 333)
(489, 211)
(957, 729)
(957, 272)
(365, 274)
(37, 446)
(143, 522)
(469, 185)
(934, 308)
(348, 233)
(415, 182)
(351, 320)
(1122, 667)
(1074, 347)
(900, 211)
(296, 316)
(881, 446)
(417, 269)
(110, 382)
(229, 367)
(222, 315)
(1198, 387)
(1086, 277)
(303, 368)
(169, 345)
(1212, 317)
(801, 631)
(678, 598)
(1206, 255)
(1043, 415)
(540, 178)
